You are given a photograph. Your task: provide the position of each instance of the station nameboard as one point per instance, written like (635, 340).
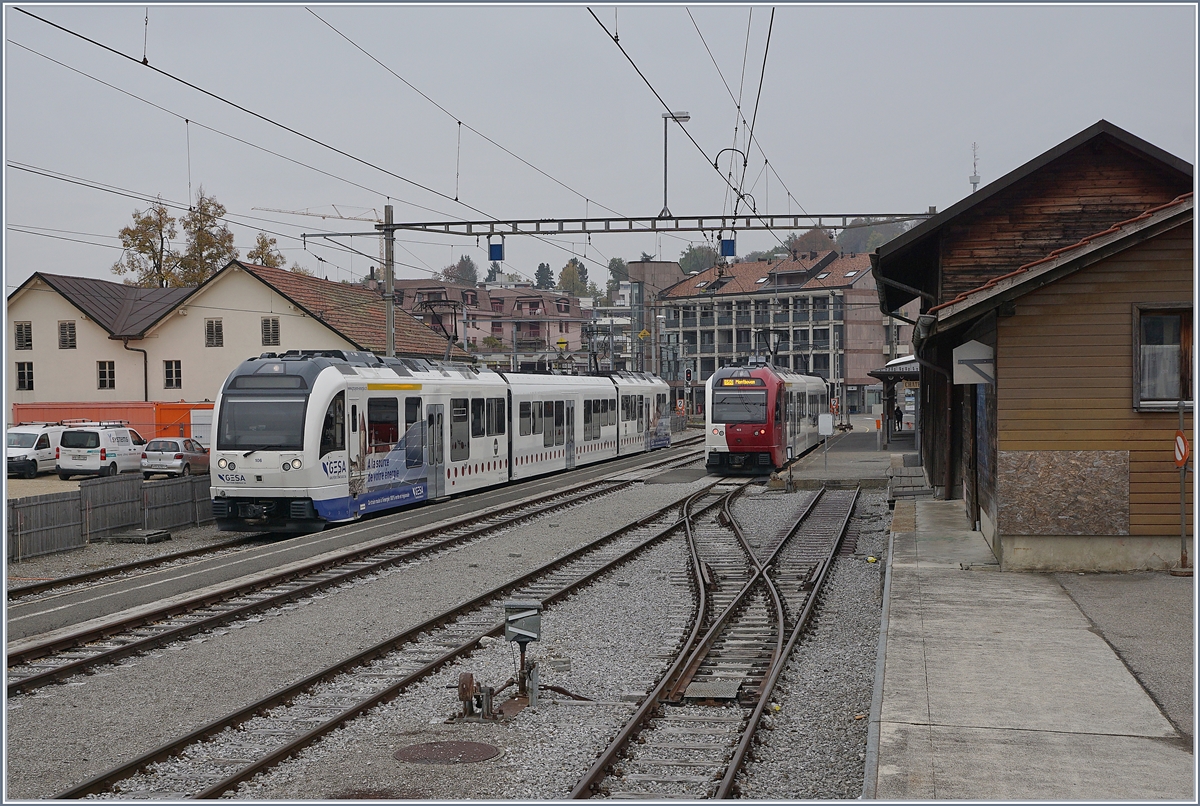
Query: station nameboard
(743, 382)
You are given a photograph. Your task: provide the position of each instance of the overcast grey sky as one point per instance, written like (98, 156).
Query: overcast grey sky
(863, 109)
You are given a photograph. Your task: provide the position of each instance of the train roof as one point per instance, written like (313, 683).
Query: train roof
(305, 365)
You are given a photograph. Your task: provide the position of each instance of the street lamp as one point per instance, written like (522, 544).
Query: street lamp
(680, 118)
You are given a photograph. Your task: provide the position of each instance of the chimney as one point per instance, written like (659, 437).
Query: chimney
(370, 282)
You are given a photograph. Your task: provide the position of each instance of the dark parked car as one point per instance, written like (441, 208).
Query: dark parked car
(174, 457)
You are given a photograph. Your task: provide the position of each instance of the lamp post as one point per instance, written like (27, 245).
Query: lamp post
(680, 118)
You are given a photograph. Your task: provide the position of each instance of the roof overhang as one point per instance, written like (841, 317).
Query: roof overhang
(898, 263)
(1018, 283)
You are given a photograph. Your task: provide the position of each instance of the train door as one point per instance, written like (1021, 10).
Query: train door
(356, 441)
(436, 442)
(570, 423)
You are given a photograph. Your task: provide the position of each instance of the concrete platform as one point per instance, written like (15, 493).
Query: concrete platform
(1009, 686)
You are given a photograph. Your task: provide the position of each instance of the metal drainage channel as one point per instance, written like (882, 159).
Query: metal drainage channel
(355, 683)
(147, 630)
(690, 748)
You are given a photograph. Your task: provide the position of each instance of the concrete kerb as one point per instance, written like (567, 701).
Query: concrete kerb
(871, 765)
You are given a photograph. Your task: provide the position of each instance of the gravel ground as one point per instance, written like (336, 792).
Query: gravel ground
(816, 748)
(632, 628)
(102, 555)
(64, 734)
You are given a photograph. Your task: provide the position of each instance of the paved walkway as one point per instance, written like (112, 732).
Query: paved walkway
(999, 686)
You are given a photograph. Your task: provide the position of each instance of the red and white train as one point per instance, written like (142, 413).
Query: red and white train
(759, 418)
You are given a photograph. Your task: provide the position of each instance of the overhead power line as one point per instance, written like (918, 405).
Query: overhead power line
(667, 107)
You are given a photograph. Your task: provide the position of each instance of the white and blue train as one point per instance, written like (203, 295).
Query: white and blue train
(313, 437)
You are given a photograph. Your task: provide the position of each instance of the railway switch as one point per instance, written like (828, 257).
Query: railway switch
(523, 623)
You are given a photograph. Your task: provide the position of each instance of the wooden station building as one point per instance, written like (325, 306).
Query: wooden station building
(1055, 344)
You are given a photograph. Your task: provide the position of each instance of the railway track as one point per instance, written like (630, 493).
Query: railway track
(690, 736)
(217, 757)
(50, 587)
(33, 664)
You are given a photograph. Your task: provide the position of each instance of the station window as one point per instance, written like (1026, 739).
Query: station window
(214, 333)
(23, 335)
(106, 374)
(382, 424)
(1162, 353)
(270, 331)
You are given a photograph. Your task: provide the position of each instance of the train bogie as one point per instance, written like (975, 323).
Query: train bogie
(316, 437)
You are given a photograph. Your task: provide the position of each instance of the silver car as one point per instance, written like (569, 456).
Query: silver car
(174, 457)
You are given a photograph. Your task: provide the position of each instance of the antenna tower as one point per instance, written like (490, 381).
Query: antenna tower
(974, 178)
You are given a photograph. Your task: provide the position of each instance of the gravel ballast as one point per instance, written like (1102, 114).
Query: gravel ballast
(608, 643)
(64, 734)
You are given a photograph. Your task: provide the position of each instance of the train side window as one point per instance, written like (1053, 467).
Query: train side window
(778, 410)
(383, 424)
(587, 421)
(414, 433)
(624, 408)
(477, 426)
(641, 413)
(412, 412)
(460, 429)
(525, 416)
(333, 430)
(560, 431)
(537, 416)
(612, 412)
(604, 412)
(354, 419)
(495, 416)
(548, 409)
(597, 418)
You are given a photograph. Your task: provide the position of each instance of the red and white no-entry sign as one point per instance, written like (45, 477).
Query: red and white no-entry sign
(1182, 449)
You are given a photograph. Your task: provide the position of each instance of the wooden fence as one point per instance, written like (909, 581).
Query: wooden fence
(45, 524)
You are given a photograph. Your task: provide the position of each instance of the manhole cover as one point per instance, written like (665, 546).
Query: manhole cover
(447, 753)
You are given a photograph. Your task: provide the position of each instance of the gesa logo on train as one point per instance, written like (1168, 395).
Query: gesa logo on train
(334, 468)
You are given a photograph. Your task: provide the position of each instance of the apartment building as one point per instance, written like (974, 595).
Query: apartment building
(817, 314)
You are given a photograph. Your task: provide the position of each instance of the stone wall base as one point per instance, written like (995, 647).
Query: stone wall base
(1090, 553)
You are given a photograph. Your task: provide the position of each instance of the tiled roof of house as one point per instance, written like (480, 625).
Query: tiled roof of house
(122, 310)
(356, 313)
(1160, 210)
(823, 269)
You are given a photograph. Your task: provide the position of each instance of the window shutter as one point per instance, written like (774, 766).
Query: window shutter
(270, 331)
(66, 335)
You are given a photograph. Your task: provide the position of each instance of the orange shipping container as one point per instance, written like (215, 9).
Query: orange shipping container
(150, 419)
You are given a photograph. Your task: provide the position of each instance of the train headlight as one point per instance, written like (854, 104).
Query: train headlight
(717, 431)
(232, 466)
(221, 463)
(297, 464)
(287, 465)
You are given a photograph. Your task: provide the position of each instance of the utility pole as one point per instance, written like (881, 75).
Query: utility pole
(389, 297)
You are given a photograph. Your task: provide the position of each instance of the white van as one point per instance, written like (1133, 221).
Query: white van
(99, 449)
(32, 448)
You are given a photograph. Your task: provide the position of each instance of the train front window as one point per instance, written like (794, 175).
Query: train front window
(739, 407)
(261, 423)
